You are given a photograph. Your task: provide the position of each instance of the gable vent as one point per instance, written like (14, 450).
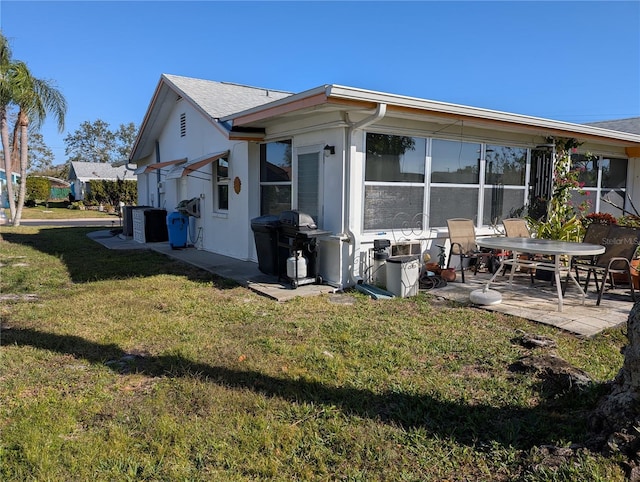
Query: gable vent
(183, 124)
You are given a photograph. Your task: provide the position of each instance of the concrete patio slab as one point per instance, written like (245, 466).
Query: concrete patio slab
(539, 302)
(536, 302)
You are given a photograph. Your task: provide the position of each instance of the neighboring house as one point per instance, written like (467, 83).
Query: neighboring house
(80, 173)
(366, 165)
(59, 187)
(631, 125)
(15, 178)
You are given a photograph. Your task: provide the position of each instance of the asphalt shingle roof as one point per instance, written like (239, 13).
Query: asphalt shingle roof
(86, 171)
(631, 125)
(220, 99)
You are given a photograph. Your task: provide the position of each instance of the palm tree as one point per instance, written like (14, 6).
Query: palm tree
(34, 99)
(5, 99)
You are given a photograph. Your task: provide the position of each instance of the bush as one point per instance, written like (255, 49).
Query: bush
(111, 192)
(38, 190)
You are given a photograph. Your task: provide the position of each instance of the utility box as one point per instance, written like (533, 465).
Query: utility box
(403, 275)
(127, 219)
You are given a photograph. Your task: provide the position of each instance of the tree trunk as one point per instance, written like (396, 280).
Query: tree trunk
(23, 121)
(6, 149)
(616, 419)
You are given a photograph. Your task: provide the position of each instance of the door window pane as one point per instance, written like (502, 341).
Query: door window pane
(308, 192)
(395, 158)
(455, 162)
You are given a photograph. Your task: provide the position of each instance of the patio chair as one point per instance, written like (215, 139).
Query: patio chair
(596, 233)
(620, 244)
(462, 234)
(518, 228)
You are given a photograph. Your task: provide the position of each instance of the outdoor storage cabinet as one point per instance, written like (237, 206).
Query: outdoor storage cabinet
(150, 225)
(177, 227)
(127, 219)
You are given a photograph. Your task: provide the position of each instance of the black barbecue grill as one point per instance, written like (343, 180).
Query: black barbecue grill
(299, 233)
(294, 222)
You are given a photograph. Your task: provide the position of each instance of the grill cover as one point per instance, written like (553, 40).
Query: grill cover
(295, 221)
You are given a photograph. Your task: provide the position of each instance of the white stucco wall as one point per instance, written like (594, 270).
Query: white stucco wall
(345, 254)
(223, 232)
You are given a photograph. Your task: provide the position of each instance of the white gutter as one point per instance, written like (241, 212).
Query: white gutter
(348, 229)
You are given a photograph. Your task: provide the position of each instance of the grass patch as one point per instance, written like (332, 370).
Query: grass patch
(59, 210)
(130, 366)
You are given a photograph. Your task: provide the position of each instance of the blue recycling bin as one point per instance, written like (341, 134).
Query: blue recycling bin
(178, 227)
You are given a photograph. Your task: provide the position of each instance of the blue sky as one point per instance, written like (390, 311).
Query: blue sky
(572, 61)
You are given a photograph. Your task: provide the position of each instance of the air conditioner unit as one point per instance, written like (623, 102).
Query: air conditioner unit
(161, 187)
(405, 248)
(193, 207)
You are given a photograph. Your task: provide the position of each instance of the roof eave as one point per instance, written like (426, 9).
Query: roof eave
(349, 96)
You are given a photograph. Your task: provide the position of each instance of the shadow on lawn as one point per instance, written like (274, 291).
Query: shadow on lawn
(87, 261)
(557, 417)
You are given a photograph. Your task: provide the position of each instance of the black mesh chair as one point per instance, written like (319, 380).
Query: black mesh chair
(620, 244)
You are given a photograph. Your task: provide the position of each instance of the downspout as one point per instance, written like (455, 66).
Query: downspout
(158, 178)
(348, 227)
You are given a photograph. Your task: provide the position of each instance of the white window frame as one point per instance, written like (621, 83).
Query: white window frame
(219, 181)
(481, 186)
(295, 188)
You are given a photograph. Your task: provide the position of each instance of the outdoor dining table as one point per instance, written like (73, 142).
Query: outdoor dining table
(560, 251)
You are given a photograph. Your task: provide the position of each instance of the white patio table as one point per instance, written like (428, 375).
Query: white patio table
(550, 247)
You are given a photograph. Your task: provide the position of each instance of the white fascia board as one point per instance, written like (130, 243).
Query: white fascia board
(456, 110)
(476, 112)
(284, 101)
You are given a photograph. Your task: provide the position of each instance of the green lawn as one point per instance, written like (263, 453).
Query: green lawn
(59, 210)
(130, 366)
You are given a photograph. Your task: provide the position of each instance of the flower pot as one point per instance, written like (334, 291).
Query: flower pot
(448, 274)
(433, 267)
(635, 273)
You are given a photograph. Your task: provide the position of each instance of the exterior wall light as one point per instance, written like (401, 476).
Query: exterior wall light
(329, 150)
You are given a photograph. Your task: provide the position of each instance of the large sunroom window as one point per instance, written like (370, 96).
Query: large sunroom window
(406, 177)
(604, 180)
(505, 170)
(455, 177)
(275, 177)
(394, 180)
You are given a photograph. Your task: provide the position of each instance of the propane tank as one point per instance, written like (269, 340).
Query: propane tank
(301, 262)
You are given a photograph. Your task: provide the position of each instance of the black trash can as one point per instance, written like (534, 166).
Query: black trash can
(155, 225)
(265, 234)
